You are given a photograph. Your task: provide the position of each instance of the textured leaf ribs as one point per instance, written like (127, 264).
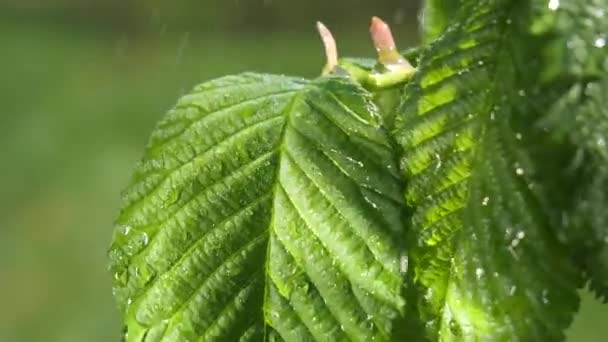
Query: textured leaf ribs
(265, 206)
(481, 252)
(270, 208)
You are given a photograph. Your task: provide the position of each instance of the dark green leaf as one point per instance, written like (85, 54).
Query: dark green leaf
(485, 261)
(264, 206)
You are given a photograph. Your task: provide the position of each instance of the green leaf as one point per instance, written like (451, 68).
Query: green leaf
(436, 16)
(591, 213)
(485, 261)
(577, 55)
(585, 220)
(577, 31)
(264, 207)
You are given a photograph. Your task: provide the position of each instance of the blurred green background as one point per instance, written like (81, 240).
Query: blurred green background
(82, 83)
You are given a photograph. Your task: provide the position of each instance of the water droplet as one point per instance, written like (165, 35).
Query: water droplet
(121, 278)
(455, 328)
(600, 41)
(512, 290)
(480, 62)
(519, 171)
(521, 92)
(404, 263)
(438, 164)
(514, 243)
(479, 272)
(553, 5)
(145, 239)
(545, 296)
(485, 201)
(518, 136)
(354, 161)
(521, 235)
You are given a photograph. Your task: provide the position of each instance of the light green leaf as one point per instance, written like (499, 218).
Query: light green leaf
(484, 259)
(265, 207)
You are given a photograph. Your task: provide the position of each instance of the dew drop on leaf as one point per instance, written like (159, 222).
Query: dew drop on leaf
(121, 278)
(485, 201)
(545, 297)
(438, 164)
(455, 328)
(403, 264)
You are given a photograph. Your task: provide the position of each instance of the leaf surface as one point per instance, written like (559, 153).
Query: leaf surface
(485, 262)
(436, 16)
(264, 207)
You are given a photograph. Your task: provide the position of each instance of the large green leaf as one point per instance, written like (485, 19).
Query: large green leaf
(265, 207)
(484, 258)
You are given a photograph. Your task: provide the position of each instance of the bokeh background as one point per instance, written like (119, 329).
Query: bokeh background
(82, 83)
